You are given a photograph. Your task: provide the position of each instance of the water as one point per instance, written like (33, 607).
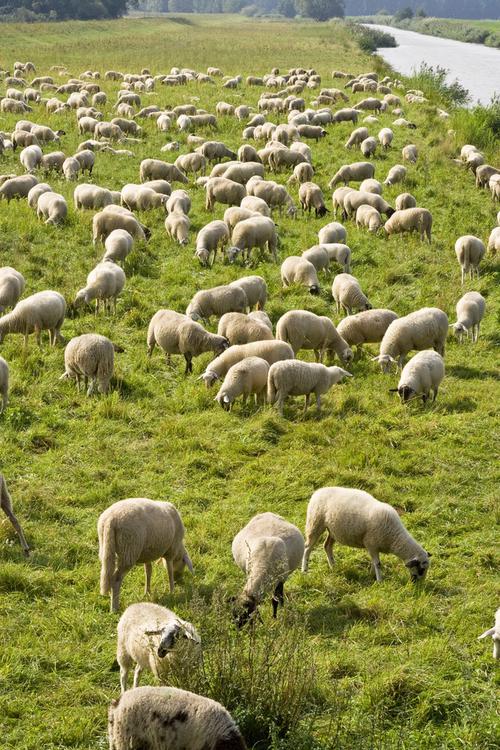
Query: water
(476, 67)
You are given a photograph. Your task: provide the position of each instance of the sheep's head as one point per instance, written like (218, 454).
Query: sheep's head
(244, 610)
(314, 289)
(390, 211)
(81, 298)
(209, 377)
(223, 400)
(347, 355)
(418, 567)
(385, 361)
(406, 393)
(232, 253)
(338, 374)
(182, 561)
(459, 330)
(322, 211)
(203, 255)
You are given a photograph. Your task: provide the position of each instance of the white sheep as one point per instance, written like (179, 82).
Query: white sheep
(166, 717)
(71, 168)
(142, 198)
(396, 174)
(249, 376)
(12, 285)
(270, 350)
(423, 329)
(470, 311)
(256, 205)
(6, 506)
(153, 638)
(108, 220)
(470, 251)
(257, 231)
(296, 378)
(356, 172)
(212, 237)
(405, 200)
(410, 153)
(298, 270)
(311, 196)
(367, 327)
(36, 192)
(217, 301)
(52, 207)
(42, 311)
(306, 330)
(368, 217)
(356, 519)
(386, 137)
(339, 253)
(139, 530)
(368, 147)
(421, 375)
(179, 201)
(17, 187)
(347, 293)
(332, 233)
(494, 239)
(357, 137)
(155, 169)
(238, 328)
(268, 549)
(410, 220)
(370, 186)
(495, 634)
(30, 157)
(255, 289)
(90, 357)
(118, 244)
(177, 226)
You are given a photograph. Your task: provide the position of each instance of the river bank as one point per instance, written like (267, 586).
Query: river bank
(485, 32)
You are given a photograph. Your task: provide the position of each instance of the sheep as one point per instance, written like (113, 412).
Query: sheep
(368, 147)
(370, 186)
(470, 311)
(242, 172)
(348, 295)
(161, 717)
(410, 153)
(305, 330)
(6, 505)
(268, 549)
(23, 138)
(270, 350)
(139, 530)
(338, 198)
(118, 244)
(354, 518)
(71, 168)
(283, 157)
(141, 198)
(298, 270)
(494, 185)
(395, 174)
(356, 172)
(127, 126)
(249, 376)
(159, 186)
(421, 375)
(337, 252)
(495, 634)
(357, 137)
(104, 284)
(257, 231)
(193, 162)
(410, 220)
(405, 200)
(302, 173)
(255, 289)
(239, 328)
(210, 238)
(154, 169)
(175, 333)
(222, 190)
(91, 197)
(86, 160)
(275, 195)
(39, 312)
(12, 285)
(354, 199)
(215, 151)
(470, 251)
(151, 637)
(105, 222)
(296, 378)
(371, 104)
(235, 214)
(179, 200)
(247, 153)
(216, 301)
(494, 239)
(367, 327)
(346, 115)
(318, 256)
(45, 134)
(53, 161)
(256, 205)
(422, 329)
(52, 207)
(90, 357)
(368, 217)
(13, 106)
(17, 187)
(311, 196)
(332, 233)
(386, 137)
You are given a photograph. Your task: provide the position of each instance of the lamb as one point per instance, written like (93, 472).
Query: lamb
(210, 238)
(4, 385)
(6, 505)
(139, 530)
(243, 379)
(153, 638)
(368, 217)
(368, 147)
(71, 168)
(298, 270)
(272, 351)
(470, 311)
(410, 220)
(356, 198)
(41, 311)
(395, 174)
(493, 240)
(357, 137)
(141, 198)
(367, 327)
(305, 330)
(422, 329)
(255, 289)
(405, 200)
(356, 172)
(108, 130)
(239, 328)
(470, 251)
(495, 634)
(348, 295)
(175, 333)
(268, 549)
(421, 375)
(386, 137)
(257, 231)
(410, 153)
(311, 196)
(118, 244)
(17, 187)
(332, 233)
(296, 378)
(154, 169)
(356, 519)
(90, 357)
(168, 717)
(105, 222)
(222, 190)
(12, 285)
(91, 197)
(256, 205)
(104, 284)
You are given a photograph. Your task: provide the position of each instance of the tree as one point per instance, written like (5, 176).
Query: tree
(180, 6)
(403, 14)
(287, 8)
(321, 10)
(420, 13)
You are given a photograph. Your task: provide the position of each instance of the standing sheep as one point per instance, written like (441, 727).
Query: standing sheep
(410, 220)
(118, 244)
(495, 634)
(238, 328)
(210, 238)
(6, 505)
(242, 379)
(104, 284)
(366, 327)
(305, 330)
(347, 293)
(470, 251)
(12, 285)
(217, 301)
(41, 312)
(270, 350)
(296, 378)
(52, 207)
(422, 329)
(177, 226)
(470, 311)
(90, 357)
(257, 231)
(421, 375)
(331, 233)
(298, 270)
(255, 288)
(311, 196)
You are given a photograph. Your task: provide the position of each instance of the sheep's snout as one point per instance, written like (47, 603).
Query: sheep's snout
(418, 569)
(314, 289)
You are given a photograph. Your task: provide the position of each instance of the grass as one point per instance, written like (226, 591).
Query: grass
(394, 666)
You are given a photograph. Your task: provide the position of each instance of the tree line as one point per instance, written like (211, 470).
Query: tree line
(436, 8)
(61, 10)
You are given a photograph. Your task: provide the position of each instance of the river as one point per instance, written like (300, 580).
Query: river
(476, 67)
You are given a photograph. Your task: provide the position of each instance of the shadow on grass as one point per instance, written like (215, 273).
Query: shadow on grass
(458, 406)
(471, 373)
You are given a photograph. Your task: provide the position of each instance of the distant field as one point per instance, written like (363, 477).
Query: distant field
(396, 667)
(480, 32)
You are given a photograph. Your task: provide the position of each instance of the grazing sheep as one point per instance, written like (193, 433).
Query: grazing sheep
(222, 190)
(177, 225)
(318, 256)
(142, 198)
(410, 220)
(386, 137)
(357, 137)
(410, 153)
(356, 172)
(494, 239)
(91, 197)
(257, 231)
(86, 159)
(17, 187)
(12, 285)
(154, 169)
(256, 205)
(246, 153)
(421, 375)
(275, 195)
(6, 505)
(422, 329)
(346, 115)
(356, 519)
(90, 357)
(243, 379)
(495, 634)
(216, 301)
(210, 238)
(368, 217)
(470, 312)
(71, 168)
(193, 162)
(105, 222)
(347, 293)
(298, 270)
(268, 549)
(311, 196)
(139, 530)
(175, 333)
(239, 328)
(255, 288)
(118, 244)
(339, 196)
(305, 330)
(52, 207)
(43, 311)
(368, 147)
(332, 233)
(272, 351)
(296, 378)
(355, 198)
(470, 251)
(337, 252)
(179, 201)
(396, 174)
(216, 151)
(166, 717)
(104, 284)
(405, 200)
(235, 214)
(152, 638)
(53, 162)
(367, 327)
(370, 186)
(303, 172)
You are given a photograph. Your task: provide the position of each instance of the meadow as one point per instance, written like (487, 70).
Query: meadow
(368, 666)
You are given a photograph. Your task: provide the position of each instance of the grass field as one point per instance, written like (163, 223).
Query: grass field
(395, 666)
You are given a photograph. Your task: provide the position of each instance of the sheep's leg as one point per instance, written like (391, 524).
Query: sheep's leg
(38, 334)
(137, 674)
(169, 567)
(280, 402)
(306, 403)
(377, 566)
(17, 527)
(278, 598)
(115, 588)
(91, 388)
(189, 363)
(318, 402)
(124, 678)
(148, 569)
(328, 547)
(435, 393)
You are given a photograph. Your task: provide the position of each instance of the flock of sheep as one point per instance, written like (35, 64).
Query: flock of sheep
(251, 359)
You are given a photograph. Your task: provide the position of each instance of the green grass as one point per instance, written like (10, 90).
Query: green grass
(397, 666)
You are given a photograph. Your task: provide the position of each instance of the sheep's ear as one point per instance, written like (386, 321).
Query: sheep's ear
(411, 563)
(486, 633)
(429, 554)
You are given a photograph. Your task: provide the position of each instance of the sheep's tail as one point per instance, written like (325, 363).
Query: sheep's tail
(271, 389)
(107, 555)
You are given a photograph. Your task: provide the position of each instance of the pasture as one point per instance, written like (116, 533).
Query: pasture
(396, 666)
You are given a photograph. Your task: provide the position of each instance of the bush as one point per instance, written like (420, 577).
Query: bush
(432, 81)
(370, 39)
(480, 125)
